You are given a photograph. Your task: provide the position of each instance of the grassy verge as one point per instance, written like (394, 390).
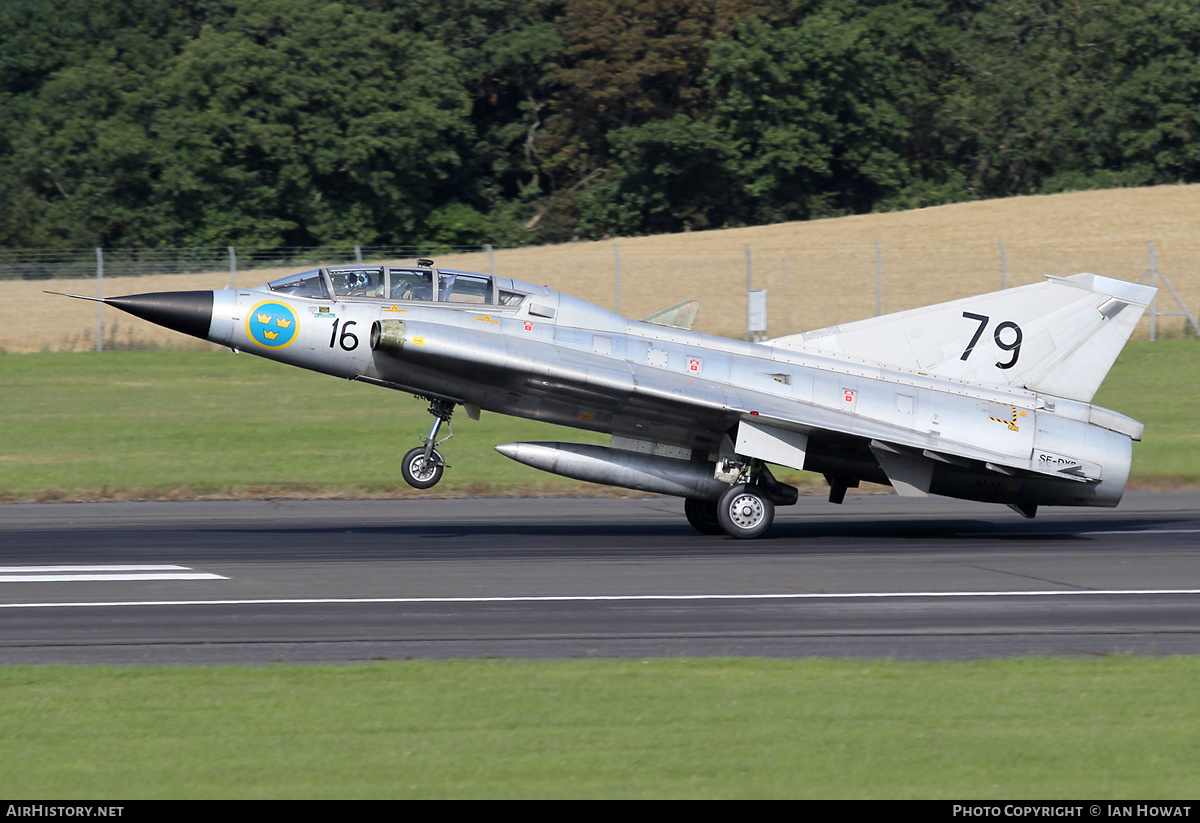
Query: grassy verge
(1159, 384)
(1097, 728)
(173, 424)
(209, 424)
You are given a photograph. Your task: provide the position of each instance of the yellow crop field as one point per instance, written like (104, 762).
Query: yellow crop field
(816, 273)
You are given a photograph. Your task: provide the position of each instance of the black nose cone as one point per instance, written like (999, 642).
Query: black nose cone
(189, 312)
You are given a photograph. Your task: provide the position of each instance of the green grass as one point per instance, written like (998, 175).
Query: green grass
(183, 424)
(1097, 728)
(1159, 384)
(187, 424)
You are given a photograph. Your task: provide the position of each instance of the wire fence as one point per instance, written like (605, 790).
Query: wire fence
(53, 264)
(792, 287)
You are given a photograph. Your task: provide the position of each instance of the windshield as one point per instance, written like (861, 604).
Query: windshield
(304, 284)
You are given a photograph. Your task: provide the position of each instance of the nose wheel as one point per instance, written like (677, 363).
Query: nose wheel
(423, 466)
(421, 470)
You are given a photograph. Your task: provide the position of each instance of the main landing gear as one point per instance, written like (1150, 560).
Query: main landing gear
(702, 514)
(423, 466)
(746, 509)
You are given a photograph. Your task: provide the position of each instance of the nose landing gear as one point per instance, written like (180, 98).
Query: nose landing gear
(423, 466)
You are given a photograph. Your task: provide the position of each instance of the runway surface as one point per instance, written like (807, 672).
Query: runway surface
(338, 581)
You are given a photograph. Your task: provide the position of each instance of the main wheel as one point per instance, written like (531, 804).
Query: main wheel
(419, 472)
(745, 511)
(702, 514)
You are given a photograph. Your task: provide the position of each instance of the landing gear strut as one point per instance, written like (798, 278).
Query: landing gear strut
(423, 466)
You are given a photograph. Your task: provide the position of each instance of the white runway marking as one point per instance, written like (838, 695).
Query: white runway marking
(1074, 533)
(595, 597)
(1149, 531)
(64, 574)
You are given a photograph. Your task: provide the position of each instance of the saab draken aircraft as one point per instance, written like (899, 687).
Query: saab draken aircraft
(985, 398)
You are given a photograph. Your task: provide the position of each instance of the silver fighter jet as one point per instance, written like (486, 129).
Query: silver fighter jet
(986, 398)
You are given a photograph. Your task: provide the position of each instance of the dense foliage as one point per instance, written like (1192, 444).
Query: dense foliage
(307, 122)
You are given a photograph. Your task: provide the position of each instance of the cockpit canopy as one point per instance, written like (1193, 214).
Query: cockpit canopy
(390, 283)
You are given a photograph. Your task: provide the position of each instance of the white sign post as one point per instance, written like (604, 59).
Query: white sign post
(756, 317)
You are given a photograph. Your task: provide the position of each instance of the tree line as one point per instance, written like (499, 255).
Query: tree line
(265, 123)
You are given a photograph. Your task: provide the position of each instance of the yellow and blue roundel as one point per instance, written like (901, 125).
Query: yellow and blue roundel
(272, 325)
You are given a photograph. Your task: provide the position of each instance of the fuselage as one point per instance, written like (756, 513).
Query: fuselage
(514, 348)
(552, 357)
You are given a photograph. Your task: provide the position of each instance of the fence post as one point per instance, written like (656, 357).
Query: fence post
(878, 280)
(100, 294)
(1153, 300)
(617, 254)
(232, 268)
(749, 284)
(1156, 274)
(358, 255)
(491, 260)
(1003, 268)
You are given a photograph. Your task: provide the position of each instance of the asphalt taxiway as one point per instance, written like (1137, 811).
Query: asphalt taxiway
(338, 581)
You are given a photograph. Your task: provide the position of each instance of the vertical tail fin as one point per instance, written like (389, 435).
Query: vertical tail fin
(1058, 337)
